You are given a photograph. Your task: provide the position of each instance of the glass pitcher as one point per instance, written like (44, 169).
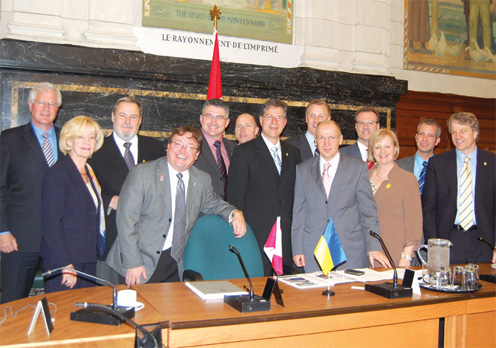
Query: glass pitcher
(438, 255)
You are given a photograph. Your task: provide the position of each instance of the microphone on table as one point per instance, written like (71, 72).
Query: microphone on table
(152, 342)
(488, 277)
(389, 290)
(90, 315)
(246, 303)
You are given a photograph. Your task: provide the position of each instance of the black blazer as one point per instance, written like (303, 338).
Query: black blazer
(22, 169)
(70, 219)
(301, 142)
(111, 171)
(255, 187)
(439, 196)
(208, 163)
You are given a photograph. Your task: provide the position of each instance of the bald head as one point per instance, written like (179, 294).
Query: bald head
(246, 128)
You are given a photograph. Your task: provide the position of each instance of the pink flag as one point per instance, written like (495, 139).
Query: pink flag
(273, 246)
(215, 83)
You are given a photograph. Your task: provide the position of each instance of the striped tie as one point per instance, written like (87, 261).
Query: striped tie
(128, 156)
(179, 234)
(421, 179)
(466, 199)
(47, 150)
(326, 178)
(277, 159)
(221, 164)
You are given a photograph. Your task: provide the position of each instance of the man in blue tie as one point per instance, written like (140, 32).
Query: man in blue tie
(427, 138)
(27, 152)
(459, 196)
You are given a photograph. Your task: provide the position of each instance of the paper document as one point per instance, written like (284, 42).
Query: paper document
(215, 290)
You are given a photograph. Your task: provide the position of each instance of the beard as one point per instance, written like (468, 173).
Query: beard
(125, 137)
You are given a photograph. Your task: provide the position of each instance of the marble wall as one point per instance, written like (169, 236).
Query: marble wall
(172, 90)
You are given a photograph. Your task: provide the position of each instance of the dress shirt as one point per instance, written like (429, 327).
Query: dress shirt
(173, 186)
(334, 166)
(363, 151)
(52, 138)
(311, 141)
(210, 141)
(133, 148)
(472, 164)
(418, 165)
(271, 146)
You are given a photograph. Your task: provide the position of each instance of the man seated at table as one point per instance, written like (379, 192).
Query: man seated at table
(157, 212)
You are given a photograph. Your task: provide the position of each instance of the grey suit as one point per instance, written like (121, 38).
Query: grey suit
(407, 163)
(351, 150)
(350, 204)
(144, 214)
(208, 163)
(301, 142)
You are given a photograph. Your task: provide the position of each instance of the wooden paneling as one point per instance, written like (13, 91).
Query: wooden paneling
(416, 106)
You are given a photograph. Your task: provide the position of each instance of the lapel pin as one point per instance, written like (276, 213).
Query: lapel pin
(144, 160)
(485, 163)
(287, 154)
(388, 186)
(194, 184)
(162, 177)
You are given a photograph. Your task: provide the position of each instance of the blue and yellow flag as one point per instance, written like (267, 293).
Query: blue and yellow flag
(329, 252)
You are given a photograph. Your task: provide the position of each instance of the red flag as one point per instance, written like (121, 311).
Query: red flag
(273, 247)
(215, 83)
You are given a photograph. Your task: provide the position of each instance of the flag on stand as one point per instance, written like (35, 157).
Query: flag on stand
(215, 83)
(329, 252)
(273, 247)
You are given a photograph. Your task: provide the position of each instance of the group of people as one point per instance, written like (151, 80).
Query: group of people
(122, 207)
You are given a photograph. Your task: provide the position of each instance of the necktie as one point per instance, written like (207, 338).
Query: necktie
(277, 159)
(421, 179)
(128, 156)
(221, 164)
(466, 199)
(316, 152)
(369, 164)
(326, 178)
(179, 236)
(47, 150)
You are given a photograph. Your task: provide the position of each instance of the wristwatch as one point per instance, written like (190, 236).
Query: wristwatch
(405, 256)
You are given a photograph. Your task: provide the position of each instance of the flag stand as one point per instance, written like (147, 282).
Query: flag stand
(272, 287)
(328, 292)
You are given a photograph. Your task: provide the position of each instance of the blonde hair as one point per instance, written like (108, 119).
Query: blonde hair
(74, 127)
(377, 137)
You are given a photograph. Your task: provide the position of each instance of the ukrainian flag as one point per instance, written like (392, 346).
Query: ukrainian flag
(329, 252)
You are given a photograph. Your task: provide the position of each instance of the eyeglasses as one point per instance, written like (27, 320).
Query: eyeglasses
(180, 146)
(368, 123)
(330, 138)
(277, 118)
(215, 117)
(43, 103)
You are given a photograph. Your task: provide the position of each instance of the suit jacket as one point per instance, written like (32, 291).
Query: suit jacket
(111, 170)
(301, 142)
(255, 187)
(351, 150)
(350, 204)
(22, 169)
(208, 163)
(407, 163)
(439, 196)
(144, 214)
(70, 219)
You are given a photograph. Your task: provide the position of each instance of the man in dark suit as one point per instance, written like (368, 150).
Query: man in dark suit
(366, 123)
(317, 111)
(26, 154)
(459, 196)
(345, 198)
(159, 205)
(111, 168)
(261, 180)
(216, 154)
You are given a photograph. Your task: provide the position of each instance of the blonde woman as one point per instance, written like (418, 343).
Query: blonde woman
(397, 196)
(72, 214)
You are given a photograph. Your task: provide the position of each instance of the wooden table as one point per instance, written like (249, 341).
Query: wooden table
(351, 318)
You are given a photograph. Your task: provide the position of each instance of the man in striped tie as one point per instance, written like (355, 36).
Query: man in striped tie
(27, 152)
(459, 195)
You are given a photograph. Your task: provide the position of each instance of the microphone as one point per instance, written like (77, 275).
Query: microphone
(388, 290)
(489, 244)
(246, 303)
(488, 277)
(89, 316)
(155, 341)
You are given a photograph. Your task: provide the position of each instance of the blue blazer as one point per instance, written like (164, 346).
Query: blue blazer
(70, 220)
(351, 150)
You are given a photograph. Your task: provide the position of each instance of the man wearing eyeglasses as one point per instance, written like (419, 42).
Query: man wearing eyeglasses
(120, 151)
(325, 189)
(158, 207)
(216, 154)
(366, 123)
(26, 154)
(261, 180)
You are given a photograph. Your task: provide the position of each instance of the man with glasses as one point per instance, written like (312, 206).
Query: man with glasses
(366, 123)
(261, 180)
(120, 152)
(325, 189)
(26, 154)
(317, 111)
(216, 154)
(158, 207)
